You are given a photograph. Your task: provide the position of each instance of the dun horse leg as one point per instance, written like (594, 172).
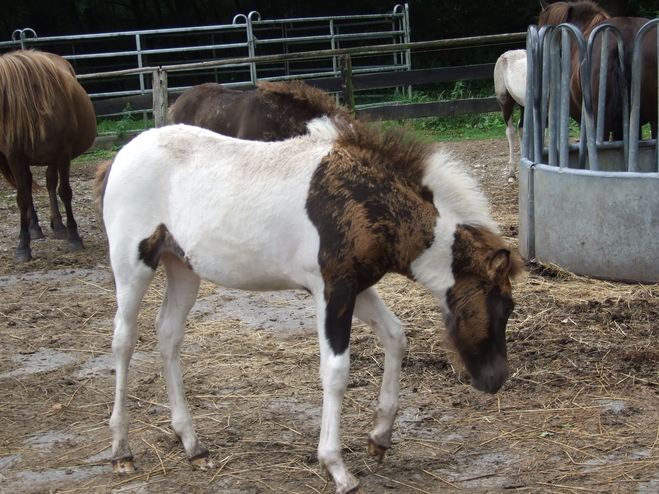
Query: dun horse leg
(334, 375)
(23, 177)
(56, 223)
(371, 310)
(510, 134)
(33, 222)
(131, 287)
(180, 296)
(66, 194)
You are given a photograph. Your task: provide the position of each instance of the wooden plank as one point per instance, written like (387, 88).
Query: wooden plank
(408, 77)
(432, 109)
(347, 86)
(160, 100)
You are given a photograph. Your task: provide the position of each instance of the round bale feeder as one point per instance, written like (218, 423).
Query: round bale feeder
(590, 207)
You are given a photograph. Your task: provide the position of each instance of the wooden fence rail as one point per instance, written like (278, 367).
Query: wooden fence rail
(159, 99)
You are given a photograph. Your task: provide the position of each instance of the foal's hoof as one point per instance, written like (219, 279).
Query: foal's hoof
(202, 461)
(512, 180)
(376, 450)
(22, 255)
(123, 465)
(75, 245)
(36, 232)
(356, 490)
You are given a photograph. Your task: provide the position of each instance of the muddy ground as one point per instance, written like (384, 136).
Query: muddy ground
(579, 413)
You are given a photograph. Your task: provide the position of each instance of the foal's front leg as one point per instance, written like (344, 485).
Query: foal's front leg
(371, 310)
(333, 337)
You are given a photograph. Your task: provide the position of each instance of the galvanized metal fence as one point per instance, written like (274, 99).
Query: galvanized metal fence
(590, 207)
(247, 36)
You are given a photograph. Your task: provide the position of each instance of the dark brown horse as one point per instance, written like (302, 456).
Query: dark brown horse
(273, 111)
(47, 119)
(587, 15)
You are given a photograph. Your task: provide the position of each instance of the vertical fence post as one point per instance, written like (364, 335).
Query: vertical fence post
(346, 82)
(160, 98)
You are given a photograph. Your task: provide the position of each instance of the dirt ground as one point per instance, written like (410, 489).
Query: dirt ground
(579, 413)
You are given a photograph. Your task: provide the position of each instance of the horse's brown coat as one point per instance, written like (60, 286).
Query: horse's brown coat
(587, 15)
(47, 119)
(273, 111)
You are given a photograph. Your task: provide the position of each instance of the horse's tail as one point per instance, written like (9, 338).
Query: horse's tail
(100, 183)
(6, 172)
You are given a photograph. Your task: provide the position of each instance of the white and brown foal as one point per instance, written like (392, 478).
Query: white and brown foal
(330, 212)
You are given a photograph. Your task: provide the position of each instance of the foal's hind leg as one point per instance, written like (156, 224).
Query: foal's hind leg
(131, 285)
(180, 296)
(371, 310)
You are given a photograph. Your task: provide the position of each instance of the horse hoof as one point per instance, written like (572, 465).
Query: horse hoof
(61, 233)
(512, 180)
(123, 465)
(356, 490)
(36, 233)
(376, 450)
(22, 255)
(202, 462)
(75, 245)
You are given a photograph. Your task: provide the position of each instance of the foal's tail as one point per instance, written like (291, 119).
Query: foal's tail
(100, 182)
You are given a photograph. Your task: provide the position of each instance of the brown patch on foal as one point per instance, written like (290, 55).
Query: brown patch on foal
(160, 242)
(373, 216)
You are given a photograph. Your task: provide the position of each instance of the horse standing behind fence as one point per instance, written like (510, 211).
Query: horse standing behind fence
(47, 119)
(330, 212)
(587, 15)
(510, 89)
(273, 111)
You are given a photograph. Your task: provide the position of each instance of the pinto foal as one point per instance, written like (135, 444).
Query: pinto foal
(330, 212)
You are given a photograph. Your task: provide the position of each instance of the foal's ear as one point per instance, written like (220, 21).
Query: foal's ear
(499, 264)
(543, 5)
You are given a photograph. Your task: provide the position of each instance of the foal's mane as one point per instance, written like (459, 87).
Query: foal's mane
(315, 99)
(30, 84)
(402, 155)
(584, 14)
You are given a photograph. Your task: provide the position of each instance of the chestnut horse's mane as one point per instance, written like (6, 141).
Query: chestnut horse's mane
(30, 86)
(584, 14)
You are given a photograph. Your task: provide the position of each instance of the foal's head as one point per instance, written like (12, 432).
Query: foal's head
(479, 304)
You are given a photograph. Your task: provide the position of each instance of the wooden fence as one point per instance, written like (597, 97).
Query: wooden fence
(347, 83)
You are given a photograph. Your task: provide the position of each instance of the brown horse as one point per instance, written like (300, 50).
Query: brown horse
(587, 15)
(47, 120)
(273, 111)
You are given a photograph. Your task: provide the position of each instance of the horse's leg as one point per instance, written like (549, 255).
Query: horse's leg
(371, 310)
(56, 224)
(334, 367)
(66, 194)
(131, 285)
(33, 223)
(180, 296)
(23, 177)
(510, 134)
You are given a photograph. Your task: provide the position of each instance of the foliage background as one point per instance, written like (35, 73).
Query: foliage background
(430, 19)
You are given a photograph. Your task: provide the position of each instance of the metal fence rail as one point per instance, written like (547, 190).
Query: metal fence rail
(247, 36)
